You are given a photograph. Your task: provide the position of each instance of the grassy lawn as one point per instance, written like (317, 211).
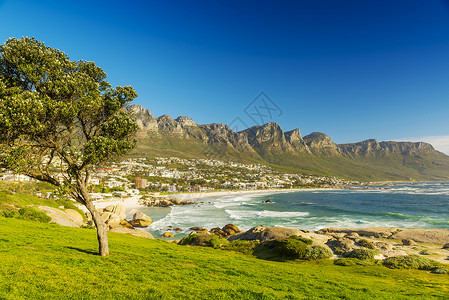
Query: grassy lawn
(46, 261)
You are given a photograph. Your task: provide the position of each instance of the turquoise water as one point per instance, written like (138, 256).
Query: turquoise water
(424, 205)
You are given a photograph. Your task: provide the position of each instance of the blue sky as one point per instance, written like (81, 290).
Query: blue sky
(352, 69)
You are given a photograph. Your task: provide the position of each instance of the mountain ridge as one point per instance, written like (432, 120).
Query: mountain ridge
(268, 143)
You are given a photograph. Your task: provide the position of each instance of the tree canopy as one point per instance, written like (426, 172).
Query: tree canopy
(59, 118)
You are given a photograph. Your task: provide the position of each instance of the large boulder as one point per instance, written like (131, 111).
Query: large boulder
(263, 233)
(230, 229)
(429, 236)
(141, 220)
(113, 221)
(378, 232)
(75, 214)
(116, 209)
(60, 217)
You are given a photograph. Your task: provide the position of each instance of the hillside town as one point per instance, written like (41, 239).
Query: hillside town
(141, 176)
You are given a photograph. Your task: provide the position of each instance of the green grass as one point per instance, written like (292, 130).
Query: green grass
(47, 261)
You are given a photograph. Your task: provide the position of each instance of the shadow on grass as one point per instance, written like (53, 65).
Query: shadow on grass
(83, 250)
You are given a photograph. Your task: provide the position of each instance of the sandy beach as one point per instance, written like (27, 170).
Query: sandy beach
(197, 196)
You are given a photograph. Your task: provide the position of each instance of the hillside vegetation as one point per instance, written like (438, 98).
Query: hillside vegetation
(47, 261)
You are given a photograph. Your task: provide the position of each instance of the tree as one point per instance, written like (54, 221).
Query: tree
(59, 119)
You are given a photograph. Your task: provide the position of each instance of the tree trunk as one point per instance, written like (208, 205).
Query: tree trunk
(102, 232)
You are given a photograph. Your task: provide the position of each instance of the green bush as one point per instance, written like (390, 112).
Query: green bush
(290, 248)
(439, 271)
(410, 262)
(366, 244)
(207, 240)
(349, 262)
(362, 254)
(32, 214)
(302, 239)
(317, 252)
(217, 242)
(243, 246)
(188, 240)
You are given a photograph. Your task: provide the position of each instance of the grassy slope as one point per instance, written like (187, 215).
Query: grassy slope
(41, 261)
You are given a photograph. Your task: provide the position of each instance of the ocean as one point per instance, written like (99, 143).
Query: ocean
(421, 205)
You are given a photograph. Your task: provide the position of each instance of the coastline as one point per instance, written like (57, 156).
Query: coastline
(201, 195)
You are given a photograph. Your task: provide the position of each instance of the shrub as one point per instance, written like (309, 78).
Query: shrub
(439, 271)
(290, 248)
(317, 252)
(362, 254)
(207, 240)
(217, 242)
(410, 262)
(32, 214)
(188, 240)
(425, 252)
(349, 262)
(9, 213)
(302, 239)
(366, 244)
(243, 246)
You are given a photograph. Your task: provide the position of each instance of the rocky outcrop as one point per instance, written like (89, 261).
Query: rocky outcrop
(140, 220)
(263, 233)
(61, 217)
(319, 143)
(143, 117)
(431, 236)
(267, 138)
(163, 201)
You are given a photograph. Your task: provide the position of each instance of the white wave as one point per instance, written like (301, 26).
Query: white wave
(249, 214)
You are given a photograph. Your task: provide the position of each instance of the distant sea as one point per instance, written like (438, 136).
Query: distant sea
(422, 205)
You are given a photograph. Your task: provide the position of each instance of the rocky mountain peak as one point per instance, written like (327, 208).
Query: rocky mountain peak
(185, 121)
(319, 142)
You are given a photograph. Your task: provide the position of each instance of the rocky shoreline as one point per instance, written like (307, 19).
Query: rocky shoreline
(163, 201)
(386, 242)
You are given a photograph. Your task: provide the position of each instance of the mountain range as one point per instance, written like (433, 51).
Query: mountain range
(288, 151)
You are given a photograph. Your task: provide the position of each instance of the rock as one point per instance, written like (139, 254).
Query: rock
(139, 223)
(109, 208)
(141, 220)
(230, 229)
(429, 236)
(263, 233)
(105, 216)
(342, 245)
(60, 217)
(446, 246)
(113, 221)
(120, 211)
(408, 242)
(75, 214)
(217, 231)
(141, 216)
(126, 224)
(197, 228)
(352, 235)
(134, 232)
(379, 232)
(168, 235)
(91, 223)
(268, 201)
(177, 229)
